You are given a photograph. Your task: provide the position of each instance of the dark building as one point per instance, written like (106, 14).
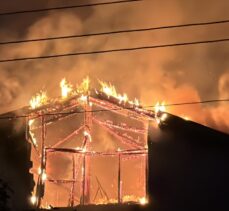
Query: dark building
(188, 167)
(14, 164)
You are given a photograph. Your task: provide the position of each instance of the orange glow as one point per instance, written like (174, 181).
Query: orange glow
(33, 199)
(44, 176)
(110, 90)
(160, 107)
(66, 88)
(38, 100)
(83, 98)
(143, 201)
(83, 88)
(187, 118)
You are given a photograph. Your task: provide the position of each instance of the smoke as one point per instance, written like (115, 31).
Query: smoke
(189, 73)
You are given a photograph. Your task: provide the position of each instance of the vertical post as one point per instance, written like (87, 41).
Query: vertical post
(41, 182)
(74, 181)
(146, 176)
(84, 179)
(87, 128)
(119, 179)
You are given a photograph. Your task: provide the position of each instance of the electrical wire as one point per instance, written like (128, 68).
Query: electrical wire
(116, 109)
(67, 7)
(114, 32)
(115, 50)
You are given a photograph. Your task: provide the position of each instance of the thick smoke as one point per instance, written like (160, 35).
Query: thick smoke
(189, 73)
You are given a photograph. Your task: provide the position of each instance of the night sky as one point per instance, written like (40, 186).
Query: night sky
(173, 75)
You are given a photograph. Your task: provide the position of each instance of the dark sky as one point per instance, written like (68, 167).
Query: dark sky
(188, 73)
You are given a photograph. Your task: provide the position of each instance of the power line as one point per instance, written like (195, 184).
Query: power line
(67, 7)
(116, 109)
(114, 32)
(115, 50)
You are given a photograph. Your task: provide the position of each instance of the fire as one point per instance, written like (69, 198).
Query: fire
(186, 118)
(66, 88)
(30, 122)
(87, 135)
(110, 90)
(39, 171)
(160, 116)
(135, 102)
(33, 199)
(143, 201)
(83, 98)
(160, 107)
(43, 176)
(83, 88)
(38, 100)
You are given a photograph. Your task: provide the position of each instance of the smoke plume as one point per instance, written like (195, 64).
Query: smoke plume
(172, 75)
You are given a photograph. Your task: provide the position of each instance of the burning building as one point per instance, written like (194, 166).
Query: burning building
(87, 147)
(96, 147)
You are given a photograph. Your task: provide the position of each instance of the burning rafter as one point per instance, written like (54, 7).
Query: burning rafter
(126, 140)
(74, 133)
(122, 126)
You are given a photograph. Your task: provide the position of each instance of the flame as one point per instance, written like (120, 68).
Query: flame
(66, 88)
(159, 112)
(143, 200)
(33, 138)
(186, 118)
(110, 90)
(38, 100)
(87, 135)
(43, 176)
(160, 107)
(39, 170)
(30, 122)
(33, 199)
(83, 88)
(135, 102)
(83, 98)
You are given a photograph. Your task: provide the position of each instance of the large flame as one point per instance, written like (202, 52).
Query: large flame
(38, 100)
(160, 107)
(110, 90)
(160, 114)
(66, 88)
(83, 88)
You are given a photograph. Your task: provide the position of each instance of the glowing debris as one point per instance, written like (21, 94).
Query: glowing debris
(143, 201)
(33, 199)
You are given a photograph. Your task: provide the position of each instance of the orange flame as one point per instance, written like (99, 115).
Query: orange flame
(110, 90)
(83, 88)
(38, 100)
(159, 112)
(160, 107)
(66, 88)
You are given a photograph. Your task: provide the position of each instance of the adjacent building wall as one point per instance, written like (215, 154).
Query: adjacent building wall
(15, 162)
(189, 167)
